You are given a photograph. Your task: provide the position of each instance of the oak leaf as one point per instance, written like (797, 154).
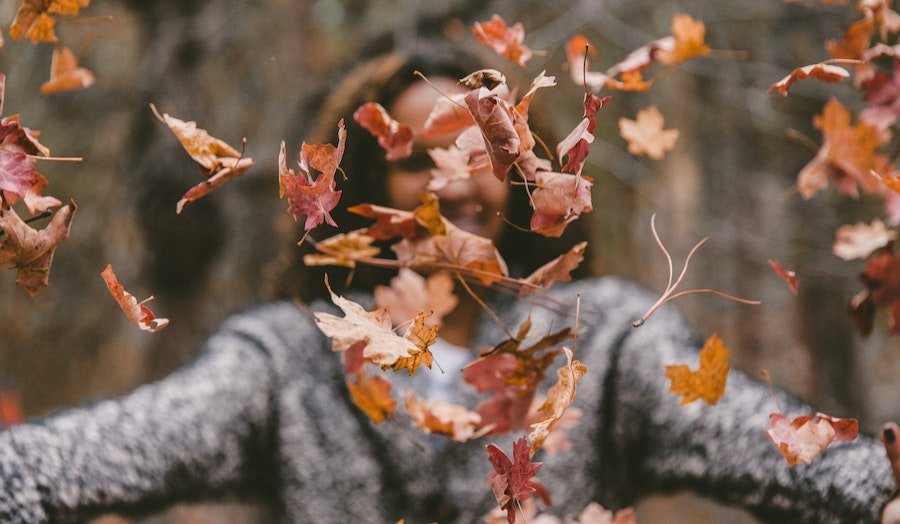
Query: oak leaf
(372, 395)
(708, 382)
(29, 250)
(443, 418)
(860, 240)
(557, 270)
(410, 293)
(395, 138)
(559, 397)
(343, 249)
(821, 72)
(505, 41)
(511, 481)
(803, 438)
(645, 134)
(787, 275)
(559, 199)
(136, 311)
(65, 75)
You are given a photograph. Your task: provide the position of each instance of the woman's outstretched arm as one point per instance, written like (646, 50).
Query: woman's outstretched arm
(721, 450)
(202, 430)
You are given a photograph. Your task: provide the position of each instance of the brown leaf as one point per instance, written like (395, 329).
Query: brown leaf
(443, 418)
(559, 397)
(449, 115)
(557, 270)
(343, 249)
(136, 311)
(497, 128)
(802, 439)
(395, 138)
(821, 72)
(65, 75)
(505, 41)
(487, 78)
(645, 134)
(860, 240)
(559, 199)
(372, 394)
(31, 251)
(708, 382)
(422, 336)
(450, 165)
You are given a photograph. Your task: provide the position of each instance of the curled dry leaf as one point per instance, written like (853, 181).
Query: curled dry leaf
(559, 199)
(787, 275)
(219, 162)
(505, 41)
(802, 439)
(313, 197)
(497, 129)
(860, 240)
(343, 249)
(645, 134)
(395, 138)
(689, 43)
(511, 480)
(487, 78)
(821, 72)
(136, 311)
(559, 397)
(30, 251)
(708, 382)
(382, 345)
(372, 395)
(35, 21)
(65, 75)
(443, 418)
(422, 336)
(576, 146)
(410, 293)
(557, 270)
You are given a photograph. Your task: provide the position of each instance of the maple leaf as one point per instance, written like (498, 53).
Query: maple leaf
(860, 240)
(822, 72)
(855, 41)
(558, 200)
(422, 336)
(576, 146)
(803, 438)
(136, 311)
(708, 382)
(881, 277)
(511, 480)
(787, 275)
(559, 397)
(218, 161)
(443, 418)
(410, 293)
(372, 395)
(645, 134)
(29, 250)
(497, 129)
(448, 116)
(343, 249)
(689, 40)
(395, 138)
(314, 198)
(848, 154)
(65, 75)
(505, 41)
(557, 270)
(383, 346)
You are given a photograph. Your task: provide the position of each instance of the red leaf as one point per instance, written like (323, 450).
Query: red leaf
(789, 276)
(135, 311)
(497, 128)
(576, 146)
(395, 138)
(449, 115)
(31, 251)
(882, 279)
(306, 196)
(559, 199)
(512, 480)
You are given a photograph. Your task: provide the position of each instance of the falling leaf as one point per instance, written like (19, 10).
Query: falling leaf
(65, 75)
(448, 116)
(559, 397)
(787, 275)
(802, 439)
(136, 311)
(577, 49)
(383, 346)
(410, 293)
(487, 78)
(10, 410)
(29, 250)
(395, 138)
(645, 134)
(708, 382)
(443, 418)
(313, 197)
(594, 513)
(505, 41)
(860, 240)
(497, 129)
(511, 481)
(632, 81)
(576, 146)
(855, 41)
(559, 199)
(557, 440)
(389, 222)
(450, 165)
(422, 336)
(372, 395)
(689, 40)
(343, 249)
(219, 162)
(881, 277)
(557, 270)
(821, 72)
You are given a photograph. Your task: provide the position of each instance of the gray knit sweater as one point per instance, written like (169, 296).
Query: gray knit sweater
(264, 411)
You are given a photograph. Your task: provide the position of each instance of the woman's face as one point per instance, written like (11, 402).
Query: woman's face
(471, 204)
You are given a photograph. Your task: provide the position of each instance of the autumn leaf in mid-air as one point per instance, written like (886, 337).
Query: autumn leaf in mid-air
(497, 128)
(803, 438)
(689, 35)
(10, 410)
(557, 270)
(511, 481)
(313, 197)
(645, 134)
(559, 199)
(395, 138)
(450, 165)
(372, 395)
(343, 249)
(30, 251)
(861, 239)
(576, 146)
(410, 293)
(577, 50)
(36, 20)
(708, 382)
(821, 72)
(559, 397)
(786, 274)
(65, 75)
(881, 277)
(506, 41)
(218, 161)
(136, 311)
(443, 418)
(423, 336)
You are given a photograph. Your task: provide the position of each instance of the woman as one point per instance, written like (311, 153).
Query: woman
(264, 410)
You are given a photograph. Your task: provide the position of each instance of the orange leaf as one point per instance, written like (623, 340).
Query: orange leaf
(708, 382)
(802, 439)
(443, 418)
(557, 270)
(136, 311)
(65, 75)
(645, 134)
(505, 41)
(559, 397)
(689, 35)
(422, 337)
(823, 72)
(373, 396)
(854, 43)
(314, 198)
(395, 138)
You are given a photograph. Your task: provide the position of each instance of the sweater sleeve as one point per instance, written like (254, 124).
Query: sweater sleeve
(200, 431)
(721, 450)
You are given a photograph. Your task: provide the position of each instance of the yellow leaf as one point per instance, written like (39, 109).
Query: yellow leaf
(708, 382)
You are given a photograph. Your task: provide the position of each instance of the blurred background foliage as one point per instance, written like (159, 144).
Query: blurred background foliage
(244, 69)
